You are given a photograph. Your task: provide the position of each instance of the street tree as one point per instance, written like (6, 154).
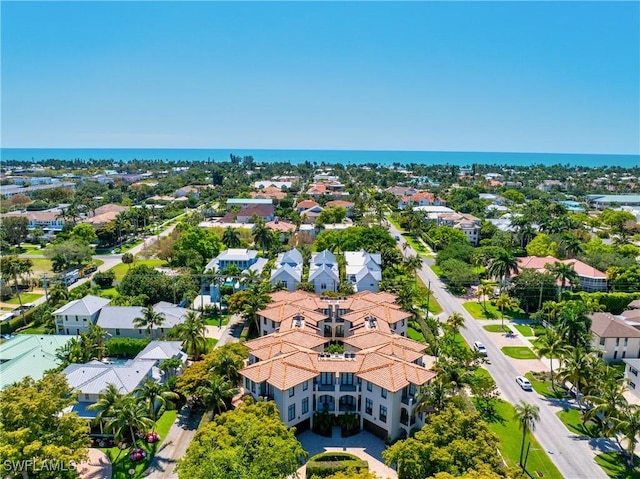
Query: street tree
(527, 416)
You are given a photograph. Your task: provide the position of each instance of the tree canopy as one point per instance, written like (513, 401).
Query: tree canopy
(234, 444)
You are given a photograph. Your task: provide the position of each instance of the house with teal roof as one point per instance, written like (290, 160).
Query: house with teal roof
(29, 355)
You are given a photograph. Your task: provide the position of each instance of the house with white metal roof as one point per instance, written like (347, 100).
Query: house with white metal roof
(323, 272)
(76, 316)
(363, 270)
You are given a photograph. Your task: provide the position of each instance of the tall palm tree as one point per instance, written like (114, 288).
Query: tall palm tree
(149, 319)
(563, 272)
(527, 415)
(107, 402)
(97, 336)
(130, 416)
(505, 301)
(262, 235)
(575, 369)
(231, 238)
(627, 423)
(484, 290)
(191, 333)
(216, 392)
(432, 395)
(156, 396)
(571, 245)
(250, 277)
(574, 324)
(256, 301)
(502, 266)
(170, 366)
(551, 345)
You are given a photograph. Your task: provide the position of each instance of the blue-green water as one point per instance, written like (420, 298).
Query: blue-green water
(344, 157)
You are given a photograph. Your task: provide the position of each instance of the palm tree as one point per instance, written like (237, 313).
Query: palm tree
(227, 366)
(216, 392)
(505, 301)
(231, 238)
(129, 417)
(484, 290)
(256, 301)
(502, 266)
(574, 324)
(97, 336)
(106, 404)
(250, 277)
(170, 366)
(571, 245)
(607, 404)
(574, 370)
(628, 425)
(149, 319)
(156, 396)
(432, 395)
(413, 263)
(563, 272)
(551, 345)
(527, 415)
(455, 322)
(191, 333)
(262, 235)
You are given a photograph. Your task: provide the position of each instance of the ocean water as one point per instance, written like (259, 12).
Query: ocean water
(319, 156)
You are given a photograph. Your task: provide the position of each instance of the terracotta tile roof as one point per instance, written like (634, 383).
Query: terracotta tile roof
(284, 311)
(635, 304)
(306, 204)
(631, 314)
(385, 313)
(605, 325)
(344, 204)
(289, 296)
(375, 339)
(539, 263)
(282, 226)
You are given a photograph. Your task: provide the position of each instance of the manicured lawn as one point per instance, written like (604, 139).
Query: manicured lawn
(507, 428)
(572, 419)
(41, 265)
(526, 331)
(476, 310)
(497, 328)
(544, 387)
(415, 244)
(434, 306)
(121, 269)
(538, 329)
(483, 373)
(32, 330)
(415, 335)
(109, 292)
(123, 464)
(535, 343)
(436, 269)
(460, 340)
(211, 321)
(211, 343)
(613, 464)
(519, 352)
(128, 245)
(26, 298)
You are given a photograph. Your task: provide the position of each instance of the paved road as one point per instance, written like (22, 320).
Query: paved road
(571, 454)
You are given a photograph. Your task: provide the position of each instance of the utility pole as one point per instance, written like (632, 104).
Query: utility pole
(45, 284)
(540, 298)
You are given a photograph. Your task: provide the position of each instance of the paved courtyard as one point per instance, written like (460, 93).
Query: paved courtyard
(364, 445)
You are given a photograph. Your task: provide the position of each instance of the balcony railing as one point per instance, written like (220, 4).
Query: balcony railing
(326, 387)
(348, 407)
(348, 387)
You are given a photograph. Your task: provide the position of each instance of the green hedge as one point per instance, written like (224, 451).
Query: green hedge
(128, 347)
(615, 303)
(328, 463)
(8, 327)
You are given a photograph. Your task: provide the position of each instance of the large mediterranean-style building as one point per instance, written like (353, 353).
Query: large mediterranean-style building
(377, 376)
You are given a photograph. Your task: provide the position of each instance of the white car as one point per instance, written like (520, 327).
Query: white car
(479, 348)
(524, 383)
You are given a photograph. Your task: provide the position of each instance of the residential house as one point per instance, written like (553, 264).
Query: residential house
(187, 191)
(269, 193)
(118, 321)
(288, 270)
(323, 272)
(244, 259)
(614, 337)
(468, 224)
(309, 216)
(423, 198)
(363, 270)
(347, 205)
(30, 355)
(378, 376)
(76, 316)
(48, 221)
(591, 279)
(305, 205)
(607, 201)
(244, 202)
(264, 212)
(285, 229)
(548, 185)
(265, 184)
(632, 366)
(401, 191)
(9, 191)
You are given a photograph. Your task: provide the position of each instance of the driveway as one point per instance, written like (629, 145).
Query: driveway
(98, 466)
(364, 445)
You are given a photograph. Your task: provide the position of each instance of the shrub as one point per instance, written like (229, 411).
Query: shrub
(615, 303)
(328, 463)
(128, 347)
(104, 280)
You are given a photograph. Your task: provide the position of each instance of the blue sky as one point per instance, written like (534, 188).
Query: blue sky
(476, 76)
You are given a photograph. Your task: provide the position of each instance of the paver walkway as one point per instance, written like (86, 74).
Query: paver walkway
(98, 466)
(364, 445)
